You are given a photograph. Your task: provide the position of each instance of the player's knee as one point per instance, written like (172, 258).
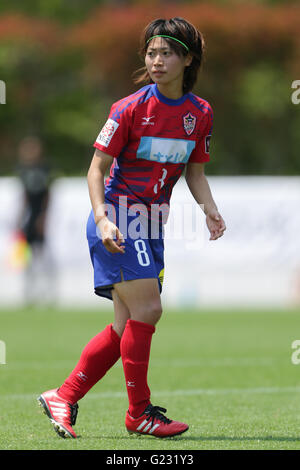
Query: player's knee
(156, 312)
(150, 313)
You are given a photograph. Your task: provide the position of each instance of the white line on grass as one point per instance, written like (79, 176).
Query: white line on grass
(168, 393)
(203, 391)
(224, 362)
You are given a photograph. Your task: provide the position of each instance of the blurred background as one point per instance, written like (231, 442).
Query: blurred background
(64, 63)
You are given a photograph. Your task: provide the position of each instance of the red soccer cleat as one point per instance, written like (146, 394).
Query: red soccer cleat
(60, 412)
(153, 423)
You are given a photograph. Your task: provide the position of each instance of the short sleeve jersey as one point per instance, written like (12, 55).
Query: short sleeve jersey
(152, 138)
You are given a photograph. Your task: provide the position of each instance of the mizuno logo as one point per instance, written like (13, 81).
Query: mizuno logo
(146, 121)
(82, 376)
(145, 427)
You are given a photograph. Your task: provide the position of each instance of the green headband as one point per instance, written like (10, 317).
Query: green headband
(170, 37)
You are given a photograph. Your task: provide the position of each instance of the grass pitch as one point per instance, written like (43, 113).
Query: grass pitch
(228, 374)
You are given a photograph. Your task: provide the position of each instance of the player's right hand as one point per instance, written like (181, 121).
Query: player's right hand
(112, 238)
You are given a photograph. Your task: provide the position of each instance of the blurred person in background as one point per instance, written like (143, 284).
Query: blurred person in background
(35, 176)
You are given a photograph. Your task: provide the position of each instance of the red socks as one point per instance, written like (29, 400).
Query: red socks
(98, 356)
(101, 353)
(135, 352)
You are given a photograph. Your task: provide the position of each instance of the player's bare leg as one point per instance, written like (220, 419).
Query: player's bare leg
(122, 313)
(142, 299)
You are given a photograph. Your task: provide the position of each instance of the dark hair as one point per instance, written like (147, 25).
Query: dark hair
(185, 32)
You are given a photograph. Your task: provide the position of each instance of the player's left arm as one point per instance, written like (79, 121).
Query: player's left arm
(199, 187)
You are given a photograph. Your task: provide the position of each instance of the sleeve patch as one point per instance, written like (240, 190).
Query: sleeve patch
(107, 132)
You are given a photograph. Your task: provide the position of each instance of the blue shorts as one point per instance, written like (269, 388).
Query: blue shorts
(143, 257)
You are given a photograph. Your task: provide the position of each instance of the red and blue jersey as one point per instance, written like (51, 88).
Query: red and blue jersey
(152, 138)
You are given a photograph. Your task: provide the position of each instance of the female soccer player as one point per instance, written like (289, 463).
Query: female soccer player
(147, 141)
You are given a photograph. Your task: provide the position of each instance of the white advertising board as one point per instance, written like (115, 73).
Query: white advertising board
(255, 264)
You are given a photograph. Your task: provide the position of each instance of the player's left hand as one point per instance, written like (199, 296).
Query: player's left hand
(215, 224)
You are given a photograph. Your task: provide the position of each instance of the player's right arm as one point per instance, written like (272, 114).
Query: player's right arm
(111, 236)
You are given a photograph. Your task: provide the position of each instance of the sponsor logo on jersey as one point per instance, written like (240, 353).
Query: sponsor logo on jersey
(146, 121)
(107, 132)
(165, 150)
(189, 123)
